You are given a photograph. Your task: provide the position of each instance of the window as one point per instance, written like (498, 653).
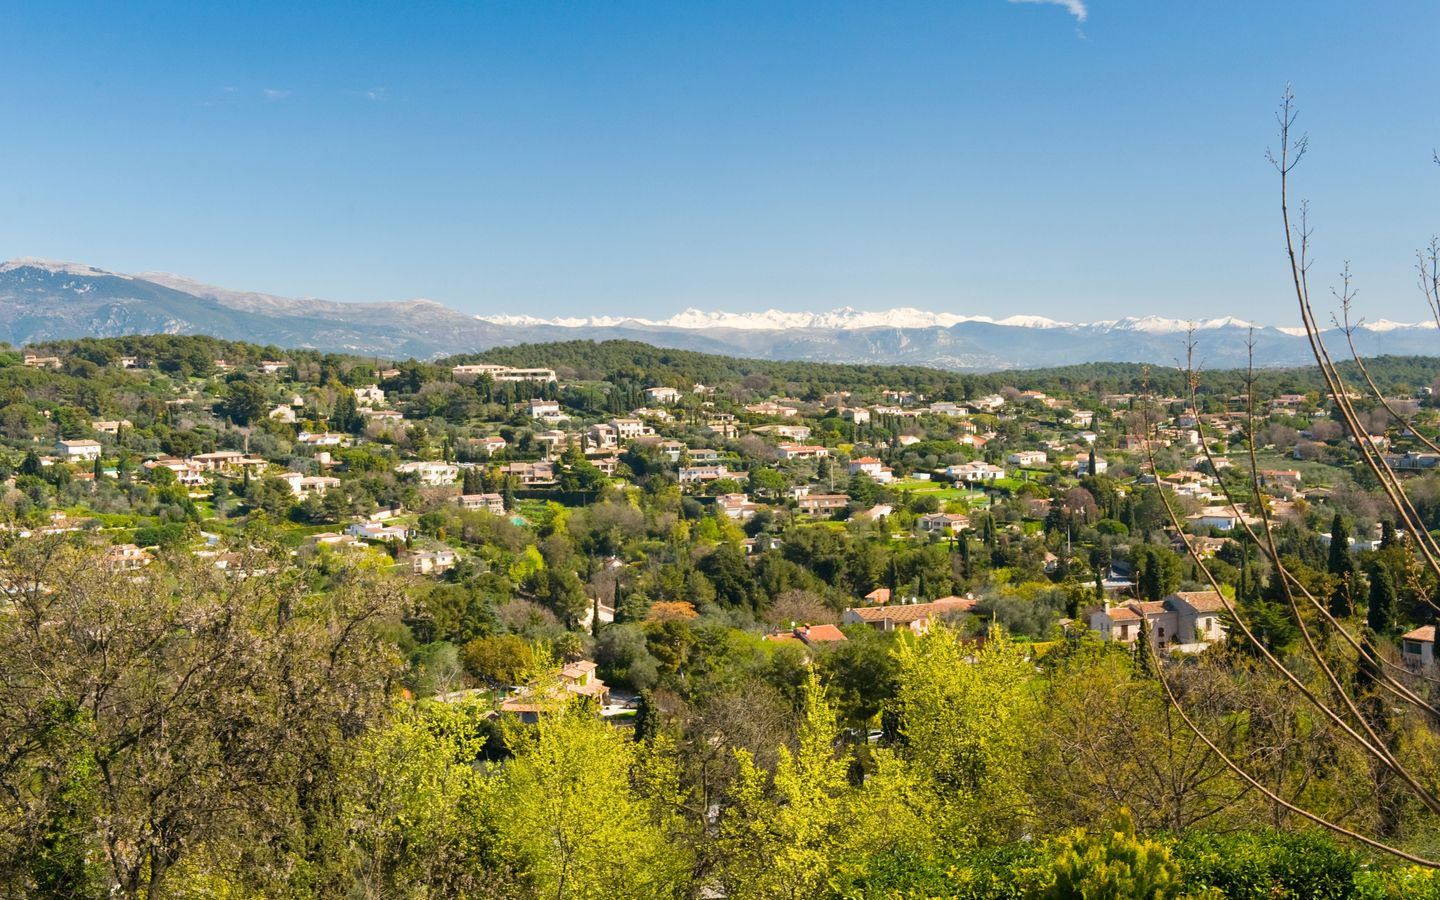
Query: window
(1412, 648)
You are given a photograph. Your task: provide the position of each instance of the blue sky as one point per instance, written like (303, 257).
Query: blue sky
(972, 156)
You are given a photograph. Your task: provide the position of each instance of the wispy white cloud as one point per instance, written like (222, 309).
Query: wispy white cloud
(273, 94)
(1075, 8)
(376, 93)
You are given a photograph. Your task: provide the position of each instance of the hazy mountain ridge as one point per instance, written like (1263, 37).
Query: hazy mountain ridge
(42, 300)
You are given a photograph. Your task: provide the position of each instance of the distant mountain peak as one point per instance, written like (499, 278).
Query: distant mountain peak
(57, 267)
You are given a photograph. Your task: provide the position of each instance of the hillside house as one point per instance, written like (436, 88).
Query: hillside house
(228, 462)
(975, 472)
(802, 451)
(869, 465)
(1189, 620)
(369, 395)
(309, 485)
(1082, 465)
(941, 523)
(1027, 458)
(1221, 518)
(821, 504)
(701, 474)
(81, 450)
(491, 503)
(664, 395)
(1417, 649)
(602, 437)
(916, 617)
(433, 474)
(531, 473)
(798, 433)
(432, 562)
(501, 373)
(737, 506)
(127, 557)
(630, 429)
(379, 531)
(543, 409)
(770, 408)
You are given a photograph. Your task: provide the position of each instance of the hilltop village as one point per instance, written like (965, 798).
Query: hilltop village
(699, 547)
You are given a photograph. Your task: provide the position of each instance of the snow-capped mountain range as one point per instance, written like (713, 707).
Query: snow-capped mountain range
(43, 300)
(848, 318)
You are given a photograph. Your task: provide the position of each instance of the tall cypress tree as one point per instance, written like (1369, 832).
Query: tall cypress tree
(1339, 562)
(1387, 535)
(1381, 614)
(1342, 567)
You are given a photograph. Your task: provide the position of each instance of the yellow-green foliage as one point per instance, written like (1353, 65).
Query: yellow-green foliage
(963, 713)
(1114, 865)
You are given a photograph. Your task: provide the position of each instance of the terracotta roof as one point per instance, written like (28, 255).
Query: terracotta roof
(1203, 601)
(1122, 614)
(1423, 633)
(578, 669)
(879, 595)
(912, 612)
(815, 633)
